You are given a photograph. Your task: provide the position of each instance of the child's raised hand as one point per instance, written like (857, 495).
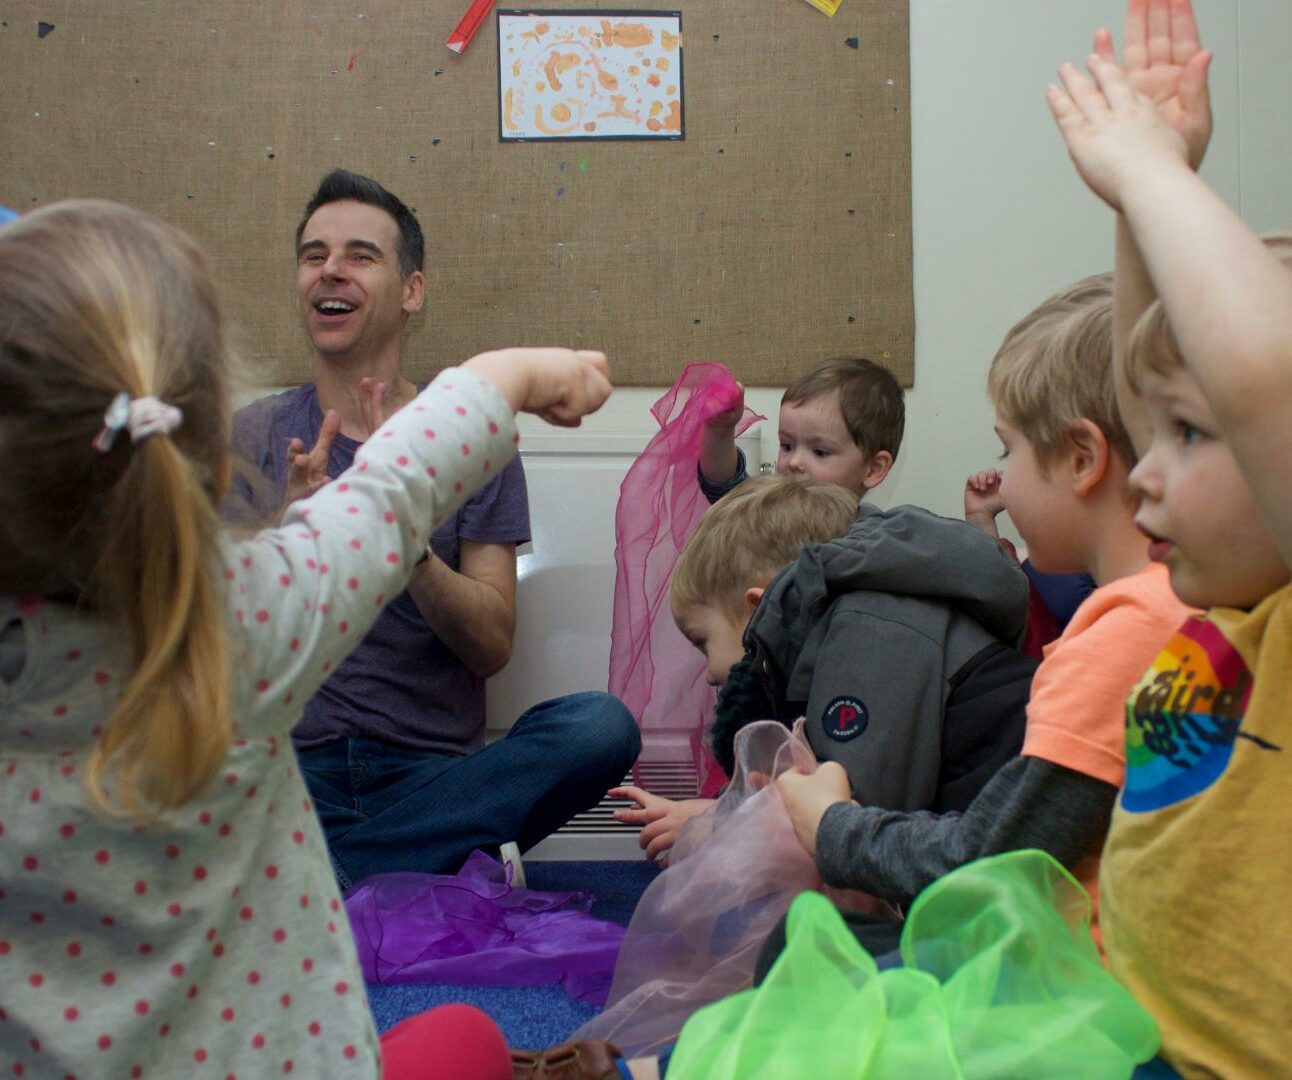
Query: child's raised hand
(730, 417)
(1113, 133)
(559, 385)
(808, 796)
(982, 500)
(1164, 60)
(661, 819)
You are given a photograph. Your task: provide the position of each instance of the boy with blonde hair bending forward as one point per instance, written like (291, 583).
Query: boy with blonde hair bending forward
(893, 633)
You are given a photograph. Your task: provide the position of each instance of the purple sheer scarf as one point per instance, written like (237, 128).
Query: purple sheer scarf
(474, 929)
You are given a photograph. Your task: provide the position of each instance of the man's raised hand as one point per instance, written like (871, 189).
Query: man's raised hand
(307, 470)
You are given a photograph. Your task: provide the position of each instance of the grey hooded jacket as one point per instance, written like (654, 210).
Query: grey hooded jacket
(897, 642)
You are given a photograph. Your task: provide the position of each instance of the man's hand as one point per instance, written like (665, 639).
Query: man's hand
(1165, 62)
(808, 796)
(375, 405)
(1115, 136)
(661, 819)
(982, 500)
(307, 472)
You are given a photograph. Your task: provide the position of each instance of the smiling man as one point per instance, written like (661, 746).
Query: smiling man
(392, 745)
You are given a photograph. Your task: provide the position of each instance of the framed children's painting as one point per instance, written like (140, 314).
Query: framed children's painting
(591, 74)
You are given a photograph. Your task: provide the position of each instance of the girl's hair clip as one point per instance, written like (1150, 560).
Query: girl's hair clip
(144, 416)
(115, 417)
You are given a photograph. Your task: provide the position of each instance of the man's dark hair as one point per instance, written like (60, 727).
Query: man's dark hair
(340, 185)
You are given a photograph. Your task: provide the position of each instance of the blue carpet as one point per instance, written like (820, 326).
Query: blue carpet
(530, 1016)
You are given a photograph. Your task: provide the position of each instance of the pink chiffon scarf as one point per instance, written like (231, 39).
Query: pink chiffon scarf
(654, 670)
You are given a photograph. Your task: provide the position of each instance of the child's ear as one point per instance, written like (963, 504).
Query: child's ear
(754, 596)
(877, 468)
(1087, 454)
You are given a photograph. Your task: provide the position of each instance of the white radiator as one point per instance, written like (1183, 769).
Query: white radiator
(565, 600)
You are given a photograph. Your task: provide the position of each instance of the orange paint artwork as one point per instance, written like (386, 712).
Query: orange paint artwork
(546, 128)
(617, 109)
(627, 35)
(557, 63)
(569, 79)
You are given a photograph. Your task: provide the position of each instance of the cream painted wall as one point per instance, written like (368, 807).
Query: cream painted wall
(1000, 220)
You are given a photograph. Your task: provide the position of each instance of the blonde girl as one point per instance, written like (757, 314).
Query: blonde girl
(166, 903)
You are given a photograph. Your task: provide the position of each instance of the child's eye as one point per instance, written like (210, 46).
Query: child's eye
(1187, 433)
(821, 452)
(786, 447)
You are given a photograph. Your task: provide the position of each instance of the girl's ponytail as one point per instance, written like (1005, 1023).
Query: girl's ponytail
(171, 728)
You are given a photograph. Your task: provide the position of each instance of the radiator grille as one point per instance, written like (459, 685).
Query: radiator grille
(595, 834)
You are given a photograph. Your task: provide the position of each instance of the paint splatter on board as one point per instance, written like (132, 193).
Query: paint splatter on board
(569, 76)
(44, 29)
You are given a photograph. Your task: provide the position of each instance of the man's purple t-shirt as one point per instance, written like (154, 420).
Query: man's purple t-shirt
(402, 685)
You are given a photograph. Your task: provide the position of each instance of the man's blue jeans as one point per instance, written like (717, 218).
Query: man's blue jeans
(386, 808)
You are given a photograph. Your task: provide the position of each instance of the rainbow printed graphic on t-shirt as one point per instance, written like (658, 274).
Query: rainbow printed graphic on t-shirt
(1183, 717)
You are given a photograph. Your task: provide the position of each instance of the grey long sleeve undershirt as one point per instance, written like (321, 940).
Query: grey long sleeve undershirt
(1029, 803)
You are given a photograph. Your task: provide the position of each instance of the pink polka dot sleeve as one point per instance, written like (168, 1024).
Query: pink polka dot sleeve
(302, 595)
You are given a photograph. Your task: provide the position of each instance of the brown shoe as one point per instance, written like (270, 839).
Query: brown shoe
(580, 1059)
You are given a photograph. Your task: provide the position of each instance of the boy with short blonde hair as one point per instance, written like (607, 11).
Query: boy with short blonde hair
(1068, 457)
(1195, 872)
(734, 548)
(1038, 382)
(894, 640)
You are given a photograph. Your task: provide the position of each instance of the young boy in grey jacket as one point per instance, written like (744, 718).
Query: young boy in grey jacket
(892, 631)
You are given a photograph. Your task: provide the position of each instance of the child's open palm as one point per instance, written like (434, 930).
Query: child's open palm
(1112, 132)
(1164, 61)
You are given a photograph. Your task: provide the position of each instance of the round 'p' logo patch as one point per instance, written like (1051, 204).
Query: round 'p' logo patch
(845, 718)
